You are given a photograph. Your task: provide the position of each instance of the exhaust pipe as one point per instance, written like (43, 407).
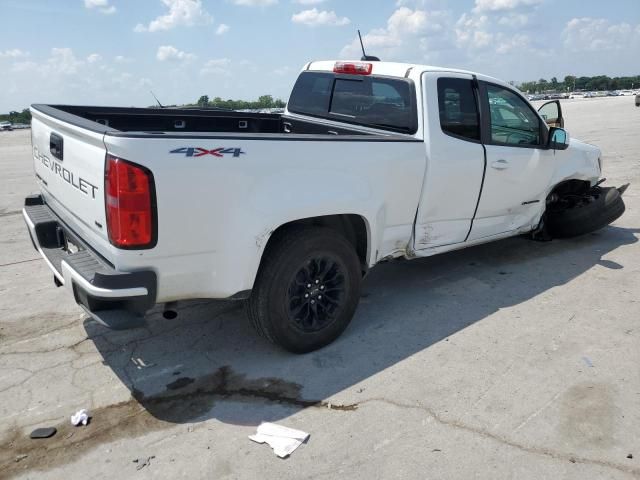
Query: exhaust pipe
(169, 310)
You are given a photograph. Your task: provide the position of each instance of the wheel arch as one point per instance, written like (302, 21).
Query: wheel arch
(569, 186)
(354, 227)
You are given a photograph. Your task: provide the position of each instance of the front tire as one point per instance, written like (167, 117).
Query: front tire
(307, 289)
(586, 214)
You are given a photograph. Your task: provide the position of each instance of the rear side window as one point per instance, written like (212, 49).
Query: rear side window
(379, 102)
(459, 116)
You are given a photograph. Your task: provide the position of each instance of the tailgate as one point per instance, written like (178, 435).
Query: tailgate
(69, 165)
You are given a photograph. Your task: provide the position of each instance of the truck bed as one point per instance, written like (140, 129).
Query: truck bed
(113, 120)
(219, 186)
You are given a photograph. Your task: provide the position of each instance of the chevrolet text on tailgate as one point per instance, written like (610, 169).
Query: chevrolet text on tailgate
(370, 161)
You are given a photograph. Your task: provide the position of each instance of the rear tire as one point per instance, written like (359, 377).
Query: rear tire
(307, 289)
(603, 208)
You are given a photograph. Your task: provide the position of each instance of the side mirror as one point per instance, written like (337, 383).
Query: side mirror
(558, 139)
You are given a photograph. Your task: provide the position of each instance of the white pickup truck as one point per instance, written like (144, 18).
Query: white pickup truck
(370, 161)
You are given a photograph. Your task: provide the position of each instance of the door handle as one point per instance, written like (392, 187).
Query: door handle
(56, 144)
(500, 164)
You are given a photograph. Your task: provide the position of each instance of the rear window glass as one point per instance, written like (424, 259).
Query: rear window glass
(379, 102)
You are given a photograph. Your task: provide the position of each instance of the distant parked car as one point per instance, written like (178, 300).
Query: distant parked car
(625, 93)
(6, 126)
(576, 95)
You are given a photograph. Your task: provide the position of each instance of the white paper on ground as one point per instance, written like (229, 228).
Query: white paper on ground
(283, 440)
(80, 417)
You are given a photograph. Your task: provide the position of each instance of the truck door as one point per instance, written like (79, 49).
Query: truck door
(551, 113)
(455, 160)
(519, 166)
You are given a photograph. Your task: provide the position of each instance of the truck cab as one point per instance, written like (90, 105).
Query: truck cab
(488, 162)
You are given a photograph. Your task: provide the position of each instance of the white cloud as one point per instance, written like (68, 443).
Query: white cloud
(216, 66)
(170, 53)
(414, 21)
(24, 66)
(217, 63)
(502, 5)
(513, 43)
(100, 5)
(514, 20)
(122, 59)
(309, 2)
(182, 13)
(599, 34)
(472, 31)
(13, 53)
(94, 57)
(222, 29)
(63, 61)
(315, 17)
(64, 76)
(477, 34)
(410, 34)
(255, 3)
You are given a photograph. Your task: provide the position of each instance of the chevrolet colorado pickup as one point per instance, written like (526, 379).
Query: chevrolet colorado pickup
(370, 161)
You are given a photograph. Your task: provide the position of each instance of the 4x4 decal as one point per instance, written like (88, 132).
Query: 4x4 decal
(200, 152)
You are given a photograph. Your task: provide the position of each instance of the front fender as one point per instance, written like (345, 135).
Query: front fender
(581, 161)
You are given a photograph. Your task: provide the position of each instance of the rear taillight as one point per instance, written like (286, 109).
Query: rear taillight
(129, 198)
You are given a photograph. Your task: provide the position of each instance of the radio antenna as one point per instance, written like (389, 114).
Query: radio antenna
(156, 98)
(366, 57)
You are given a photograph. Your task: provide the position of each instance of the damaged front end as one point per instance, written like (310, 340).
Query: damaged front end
(576, 208)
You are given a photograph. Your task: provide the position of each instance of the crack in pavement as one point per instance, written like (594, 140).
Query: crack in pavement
(18, 262)
(506, 441)
(10, 213)
(73, 346)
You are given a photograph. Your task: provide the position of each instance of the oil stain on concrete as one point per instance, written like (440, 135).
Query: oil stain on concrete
(588, 413)
(184, 400)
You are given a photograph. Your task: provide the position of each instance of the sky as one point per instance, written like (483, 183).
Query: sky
(113, 52)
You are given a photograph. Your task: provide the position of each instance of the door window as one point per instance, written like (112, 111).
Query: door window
(513, 122)
(458, 109)
(552, 114)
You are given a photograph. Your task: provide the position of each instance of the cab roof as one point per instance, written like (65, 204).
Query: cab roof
(401, 70)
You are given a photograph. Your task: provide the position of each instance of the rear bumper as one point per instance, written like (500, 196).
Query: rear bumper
(95, 284)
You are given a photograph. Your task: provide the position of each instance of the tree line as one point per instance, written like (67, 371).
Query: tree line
(16, 117)
(573, 83)
(264, 101)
